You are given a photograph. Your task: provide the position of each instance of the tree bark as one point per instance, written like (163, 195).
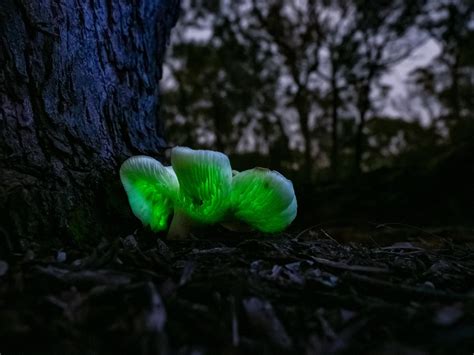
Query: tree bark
(78, 94)
(454, 91)
(334, 122)
(363, 108)
(308, 163)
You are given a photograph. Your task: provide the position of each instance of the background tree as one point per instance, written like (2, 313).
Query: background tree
(208, 86)
(298, 86)
(289, 72)
(336, 30)
(381, 39)
(271, 72)
(448, 80)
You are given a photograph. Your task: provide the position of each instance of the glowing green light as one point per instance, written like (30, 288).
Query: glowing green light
(205, 179)
(151, 189)
(201, 187)
(264, 199)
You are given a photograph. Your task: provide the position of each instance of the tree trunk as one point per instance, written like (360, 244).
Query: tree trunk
(334, 124)
(78, 95)
(454, 92)
(363, 107)
(308, 163)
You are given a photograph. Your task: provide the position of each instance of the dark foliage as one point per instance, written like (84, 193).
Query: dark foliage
(321, 89)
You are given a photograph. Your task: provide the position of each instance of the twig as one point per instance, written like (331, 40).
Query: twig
(327, 235)
(382, 225)
(343, 266)
(409, 292)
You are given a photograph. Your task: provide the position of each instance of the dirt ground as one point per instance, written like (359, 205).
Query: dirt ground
(307, 292)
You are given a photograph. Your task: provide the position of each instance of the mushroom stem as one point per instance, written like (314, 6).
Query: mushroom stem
(236, 226)
(181, 224)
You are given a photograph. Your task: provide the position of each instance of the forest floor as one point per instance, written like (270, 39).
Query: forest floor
(309, 292)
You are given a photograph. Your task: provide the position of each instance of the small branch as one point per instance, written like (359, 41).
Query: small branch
(400, 291)
(344, 266)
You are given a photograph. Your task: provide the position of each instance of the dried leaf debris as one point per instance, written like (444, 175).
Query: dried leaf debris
(291, 294)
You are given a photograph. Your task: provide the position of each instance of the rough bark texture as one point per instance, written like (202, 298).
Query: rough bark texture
(78, 94)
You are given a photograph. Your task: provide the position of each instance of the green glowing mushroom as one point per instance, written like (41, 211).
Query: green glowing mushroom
(205, 179)
(264, 199)
(201, 188)
(151, 189)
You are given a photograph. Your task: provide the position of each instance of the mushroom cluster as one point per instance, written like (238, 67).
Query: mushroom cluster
(200, 187)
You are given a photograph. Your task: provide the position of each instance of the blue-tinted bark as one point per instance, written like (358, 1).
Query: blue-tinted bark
(78, 94)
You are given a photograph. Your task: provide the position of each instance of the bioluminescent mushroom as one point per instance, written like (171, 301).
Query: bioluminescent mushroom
(201, 188)
(264, 199)
(205, 179)
(151, 189)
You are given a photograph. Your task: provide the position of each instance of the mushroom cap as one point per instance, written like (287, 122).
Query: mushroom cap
(151, 190)
(264, 199)
(205, 179)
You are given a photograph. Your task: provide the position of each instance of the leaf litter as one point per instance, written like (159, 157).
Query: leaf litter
(220, 293)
